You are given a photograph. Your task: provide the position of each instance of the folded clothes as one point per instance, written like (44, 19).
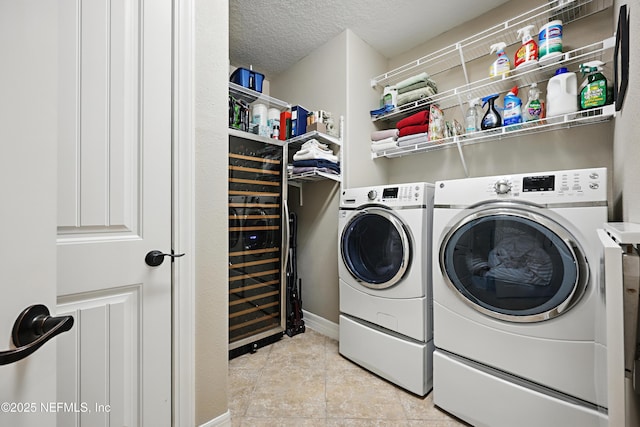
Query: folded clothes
(412, 130)
(415, 95)
(384, 141)
(378, 135)
(313, 149)
(301, 170)
(382, 146)
(419, 118)
(317, 163)
(417, 138)
(422, 77)
(419, 85)
(382, 110)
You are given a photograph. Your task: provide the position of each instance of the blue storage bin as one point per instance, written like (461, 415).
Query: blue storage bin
(247, 78)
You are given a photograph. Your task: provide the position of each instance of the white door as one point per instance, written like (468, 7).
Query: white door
(114, 206)
(27, 207)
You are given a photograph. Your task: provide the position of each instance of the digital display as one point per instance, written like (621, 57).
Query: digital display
(539, 183)
(390, 193)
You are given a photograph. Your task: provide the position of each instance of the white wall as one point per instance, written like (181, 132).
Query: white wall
(211, 161)
(626, 151)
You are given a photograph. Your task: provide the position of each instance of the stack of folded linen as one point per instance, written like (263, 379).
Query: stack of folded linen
(415, 88)
(383, 139)
(315, 156)
(413, 129)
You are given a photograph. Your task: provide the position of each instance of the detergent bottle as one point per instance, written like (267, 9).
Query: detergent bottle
(562, 93)
(594, 91)
(533, 109)
(512, 112)
(473, 117)
(527, 55)
(492, 117)
(501, 66)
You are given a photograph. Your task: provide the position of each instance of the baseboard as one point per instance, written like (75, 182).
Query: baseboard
(223, 420)
(321, 325)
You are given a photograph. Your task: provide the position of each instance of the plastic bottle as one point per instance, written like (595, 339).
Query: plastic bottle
(562, 93)
(501, 66)
(527, 55)
(473, 117)
(594, 91)
(534, 108)
(550, 42)
(512, 112)
(492, 117)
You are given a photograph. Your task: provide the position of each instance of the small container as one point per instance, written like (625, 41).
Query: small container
(562, 93)
(550, 42)
(247, 78)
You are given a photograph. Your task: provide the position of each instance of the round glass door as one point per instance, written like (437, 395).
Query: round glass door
(514, 265)
(376, 248)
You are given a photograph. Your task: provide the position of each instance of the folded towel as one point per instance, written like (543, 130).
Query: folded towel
(378, 135)
(422, 77)
(315, 143)
(413, 139)
(419, 118)
(419, 85)
(382, 110)
(300, 170)
(375, 148)
(384, 141)
(313, 149)
(317, 163)
(415, 95)
(412, 130)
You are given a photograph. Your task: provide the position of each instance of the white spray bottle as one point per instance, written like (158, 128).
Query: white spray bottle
(527, 55)
(501, 66)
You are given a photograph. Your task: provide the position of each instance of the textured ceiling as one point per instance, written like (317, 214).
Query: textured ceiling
(272, 35)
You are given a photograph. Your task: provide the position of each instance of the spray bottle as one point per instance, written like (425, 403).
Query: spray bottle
(473, 116)
(594, 90)
(512, 112)
(501, 66)
(527, 55)
(533, 109)
(492, 117)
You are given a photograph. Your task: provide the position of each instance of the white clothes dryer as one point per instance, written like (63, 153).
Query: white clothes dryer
(518, 305)
(385, 292)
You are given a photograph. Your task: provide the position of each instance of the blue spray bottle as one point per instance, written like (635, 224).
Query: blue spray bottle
(512, 107)
(492, 117)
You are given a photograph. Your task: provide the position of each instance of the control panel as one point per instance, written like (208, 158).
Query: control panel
(569, 186)
(390, 195)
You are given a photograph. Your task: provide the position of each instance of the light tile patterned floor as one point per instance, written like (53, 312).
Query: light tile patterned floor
(303, 381)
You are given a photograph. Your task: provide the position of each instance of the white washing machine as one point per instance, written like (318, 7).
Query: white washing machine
(519, 307)
(385, 270)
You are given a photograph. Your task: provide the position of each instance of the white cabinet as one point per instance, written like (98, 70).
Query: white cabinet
(457, 56)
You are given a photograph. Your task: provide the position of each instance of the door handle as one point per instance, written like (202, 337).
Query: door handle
(33, 327)
(155, 258)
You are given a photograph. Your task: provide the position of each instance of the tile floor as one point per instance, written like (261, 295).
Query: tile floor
(303, 381)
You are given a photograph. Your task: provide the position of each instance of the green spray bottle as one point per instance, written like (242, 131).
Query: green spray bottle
(492, 117)
(594, 90)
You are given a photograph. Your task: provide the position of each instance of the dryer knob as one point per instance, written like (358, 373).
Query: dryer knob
(502, 186)
(372, 194)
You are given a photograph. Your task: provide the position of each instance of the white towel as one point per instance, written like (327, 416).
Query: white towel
(381, 146)
(315, 154)
(417, 138)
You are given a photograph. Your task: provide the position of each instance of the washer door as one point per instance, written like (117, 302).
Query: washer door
(376, 248)
(514, 264)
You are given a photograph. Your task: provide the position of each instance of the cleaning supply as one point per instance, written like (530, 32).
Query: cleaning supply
(492, 117)
(512, 112)
(594, 91)
(473, 117)
(501, 66)
(562, 93)
(526, 56)
(534, 108)
(389, 97)
(550, 42)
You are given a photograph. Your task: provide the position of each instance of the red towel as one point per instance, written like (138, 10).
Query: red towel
(412, 130)
(419, 118)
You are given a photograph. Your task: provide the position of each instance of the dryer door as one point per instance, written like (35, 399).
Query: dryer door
(376, 248)
(513, 264)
